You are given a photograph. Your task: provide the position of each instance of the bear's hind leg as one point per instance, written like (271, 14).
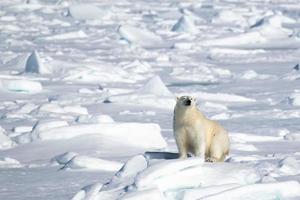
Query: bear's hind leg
(216, 154)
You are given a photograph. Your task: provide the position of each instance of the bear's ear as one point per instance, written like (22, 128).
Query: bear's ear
(177, 98)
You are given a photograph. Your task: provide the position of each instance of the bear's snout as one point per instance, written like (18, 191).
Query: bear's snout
(188, 102)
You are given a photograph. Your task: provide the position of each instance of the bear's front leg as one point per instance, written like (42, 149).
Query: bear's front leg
(181, 142)
(200, 148)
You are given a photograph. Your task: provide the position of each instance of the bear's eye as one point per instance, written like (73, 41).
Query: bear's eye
(183, 98)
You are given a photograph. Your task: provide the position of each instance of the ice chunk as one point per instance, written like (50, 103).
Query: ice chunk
(137, 67)
(193, 172)
(294, 99)
(6, 162)
(88, 11)
(135, 134)
(40, 126)
(185, 24)
(64, 158)
(201, 192)
(126, 175)
(88, 192)
(66, 36)
(251, 74)
(5, 141)
(148, 194)
(292, 136)
(95, 119)
(35, 65)
(21, 85)
(229, 17)
(154, 93)
(268, 33)
(221, 97)
(289, 166)
(92, 163)
(156, 87)
(22, 129)
(55, 108)
(281, 190)
(141, 37)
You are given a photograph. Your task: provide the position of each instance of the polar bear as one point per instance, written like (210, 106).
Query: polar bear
(196, 134)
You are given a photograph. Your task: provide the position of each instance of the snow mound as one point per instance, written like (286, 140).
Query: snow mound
(185, 24)
(7, 162)
(294, 99)
(136, 134)
(5, 141)
(141, 37)
(267, 33)
(87, 12)
(35, 65)
(92, 163)
(154, 94)
(26, 86)
(161, 178)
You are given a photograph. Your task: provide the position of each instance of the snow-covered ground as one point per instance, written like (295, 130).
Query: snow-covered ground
(87, 90)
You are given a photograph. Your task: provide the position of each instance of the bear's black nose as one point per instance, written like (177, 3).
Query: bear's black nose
(188, 102)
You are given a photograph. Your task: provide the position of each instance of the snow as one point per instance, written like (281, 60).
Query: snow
(88, 88)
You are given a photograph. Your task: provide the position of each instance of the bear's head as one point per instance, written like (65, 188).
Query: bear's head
(186, 101)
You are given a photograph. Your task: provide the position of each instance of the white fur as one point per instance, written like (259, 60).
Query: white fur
(196, 134)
